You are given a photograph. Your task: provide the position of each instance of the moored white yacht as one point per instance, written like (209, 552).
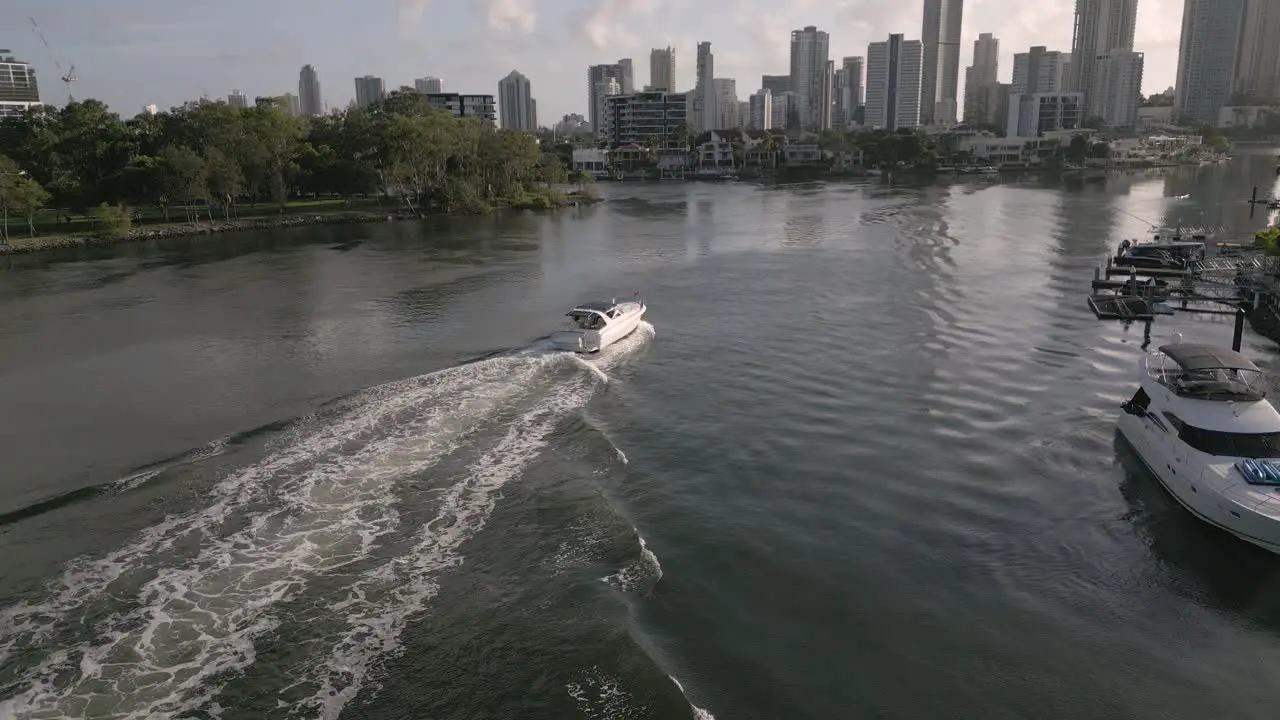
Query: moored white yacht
(1202, 424)
(594, 326)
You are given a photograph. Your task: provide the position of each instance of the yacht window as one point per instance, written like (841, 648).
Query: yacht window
(1246, 445)
(1174, 421)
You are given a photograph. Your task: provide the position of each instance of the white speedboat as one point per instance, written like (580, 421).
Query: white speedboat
(1201, 422)
(594, 326)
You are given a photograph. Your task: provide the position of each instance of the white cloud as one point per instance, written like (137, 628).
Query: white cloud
(410, 12)
(605, 27)
(627, 25)
(512, 16)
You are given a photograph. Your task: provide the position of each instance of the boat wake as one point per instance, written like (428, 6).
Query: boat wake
(130, 481)
(346, 527)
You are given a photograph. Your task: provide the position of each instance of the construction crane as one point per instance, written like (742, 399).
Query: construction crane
(69, 75)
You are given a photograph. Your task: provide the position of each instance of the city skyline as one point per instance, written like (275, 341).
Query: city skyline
(174, 54)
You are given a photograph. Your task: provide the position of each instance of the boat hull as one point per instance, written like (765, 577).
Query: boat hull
(1206, 486)
(591, 341)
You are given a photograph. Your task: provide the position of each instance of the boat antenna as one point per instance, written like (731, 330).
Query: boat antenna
(1135, 217)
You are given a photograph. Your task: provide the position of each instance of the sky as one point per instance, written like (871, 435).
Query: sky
(130, 53)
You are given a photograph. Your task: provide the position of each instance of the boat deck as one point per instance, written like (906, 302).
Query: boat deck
(1121, 307)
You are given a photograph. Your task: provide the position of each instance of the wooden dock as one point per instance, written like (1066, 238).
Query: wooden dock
(1239, 281)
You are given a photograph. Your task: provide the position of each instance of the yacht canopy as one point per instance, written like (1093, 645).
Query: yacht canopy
(595, 306)
(1207, 357)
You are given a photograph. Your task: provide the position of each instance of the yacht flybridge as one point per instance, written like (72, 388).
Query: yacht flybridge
(594, 326)
(1201, 422)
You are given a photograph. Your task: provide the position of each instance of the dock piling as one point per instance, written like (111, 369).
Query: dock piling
(1237, 335)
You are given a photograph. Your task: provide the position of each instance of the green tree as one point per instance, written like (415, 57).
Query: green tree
(683, 136)
(110, 221)
(1078, 148)
(223, 180)
(142, 182)
(582, 179)
(183, 180)
(215, 154)
(273, 141)
(551, 169)
(20, 195)
(1212, 137)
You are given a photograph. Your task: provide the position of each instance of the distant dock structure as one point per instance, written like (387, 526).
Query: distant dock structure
(1182, 270)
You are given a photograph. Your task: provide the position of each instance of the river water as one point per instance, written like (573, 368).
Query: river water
(862, 463)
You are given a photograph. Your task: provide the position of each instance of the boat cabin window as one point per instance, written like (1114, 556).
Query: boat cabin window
(1216, 442)
(587, 320)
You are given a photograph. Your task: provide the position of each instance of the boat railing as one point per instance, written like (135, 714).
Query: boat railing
(1207, 383)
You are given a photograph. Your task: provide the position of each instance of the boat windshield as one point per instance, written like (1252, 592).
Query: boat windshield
(1209, 383)
(586, 320)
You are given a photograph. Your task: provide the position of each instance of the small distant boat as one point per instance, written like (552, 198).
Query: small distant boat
(1200, 421)
(594, 326)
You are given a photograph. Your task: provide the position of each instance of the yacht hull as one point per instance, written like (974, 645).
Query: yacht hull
(590, 341)
(1207, 487)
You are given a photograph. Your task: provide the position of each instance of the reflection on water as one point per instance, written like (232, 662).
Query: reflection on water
(1215, 195)
(1191, 551)
(889, 400)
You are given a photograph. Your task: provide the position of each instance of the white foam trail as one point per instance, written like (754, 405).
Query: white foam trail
(601, 696)
(89, 579)
(199, 619)
(85, 579)
(591, 368)
(612, 356)
(645, 572)
(698, 713)
(129, 482)
(405, 585)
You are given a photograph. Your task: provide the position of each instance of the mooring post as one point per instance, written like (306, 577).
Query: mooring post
(1097, 273)
(1238, 334)
(1253, 201)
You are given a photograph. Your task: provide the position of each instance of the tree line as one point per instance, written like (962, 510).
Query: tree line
(205, 159)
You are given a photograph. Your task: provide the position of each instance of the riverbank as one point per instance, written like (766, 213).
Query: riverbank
(39, 243)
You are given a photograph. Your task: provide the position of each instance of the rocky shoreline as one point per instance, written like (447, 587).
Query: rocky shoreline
(39, 244)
